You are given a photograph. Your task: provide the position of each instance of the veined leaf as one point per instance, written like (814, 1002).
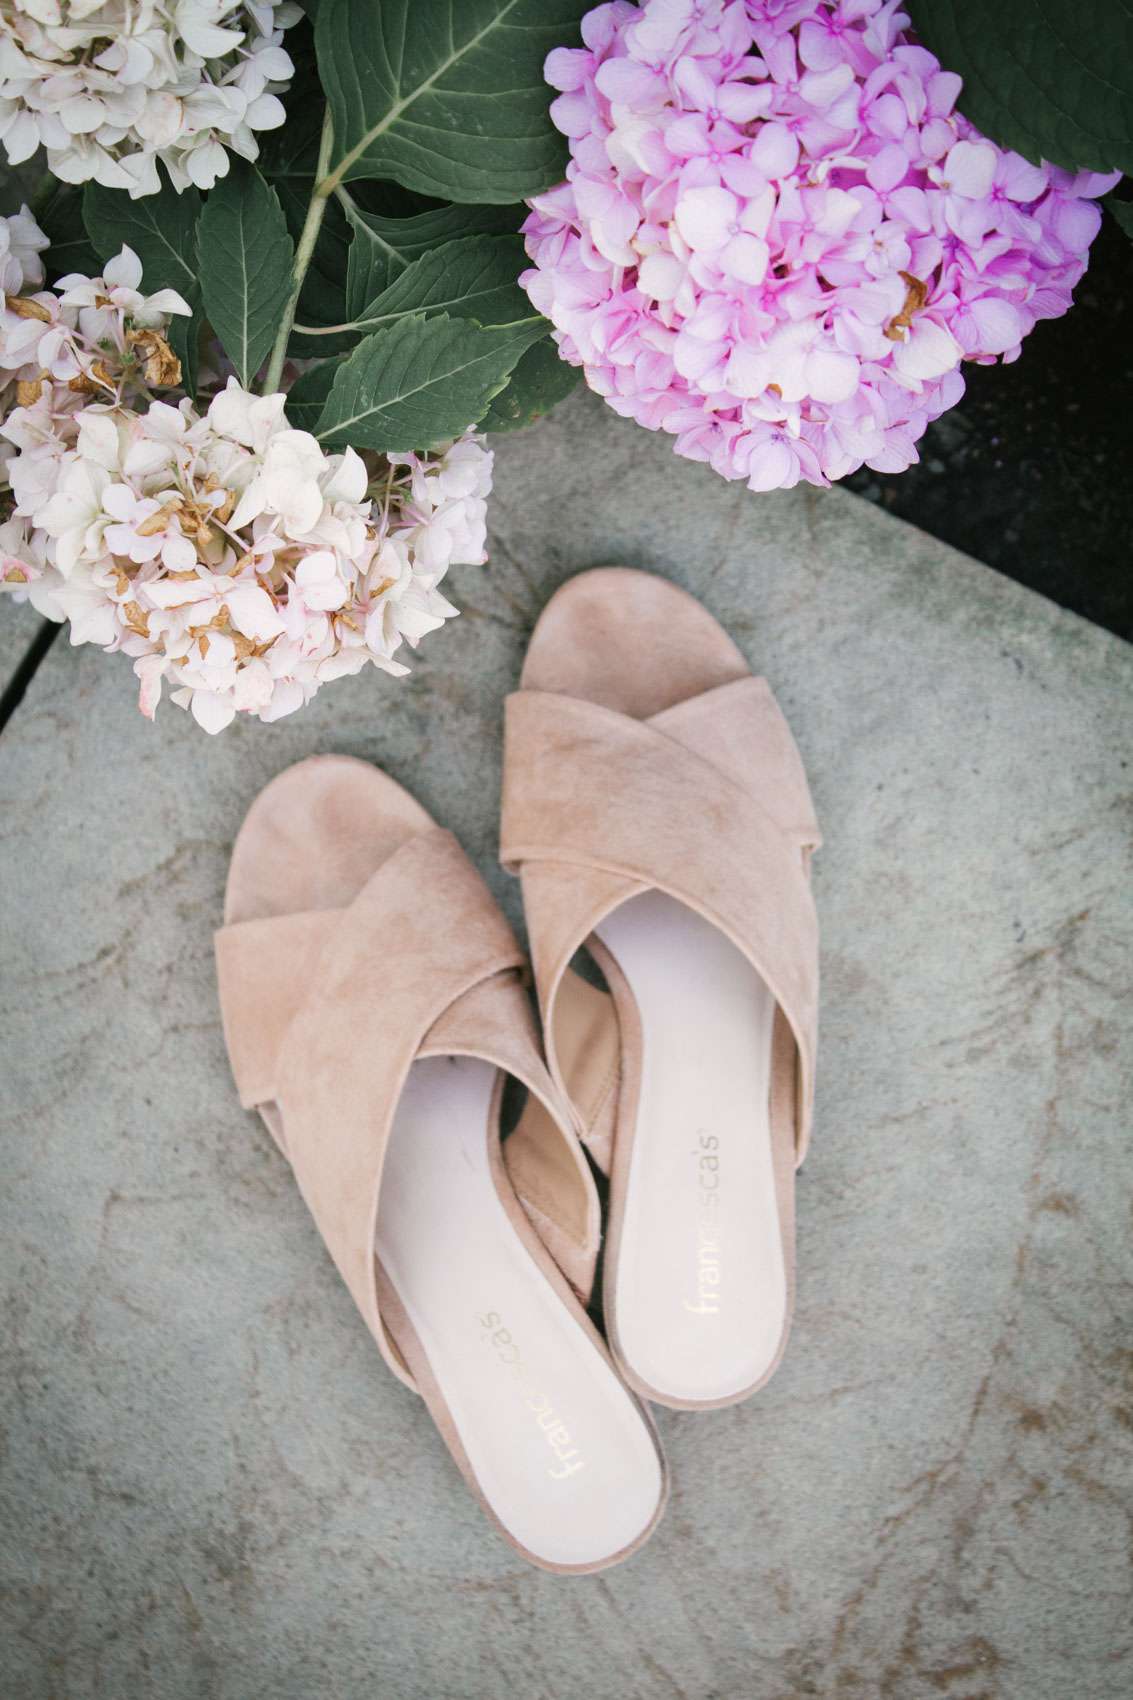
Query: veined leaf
(417, 382)
(445, 96)
(471, 278)
(162, 231)
(383, 247)
(245, 257)
(61, 220)
(1053, 80)
(308, 394)
(540, 381)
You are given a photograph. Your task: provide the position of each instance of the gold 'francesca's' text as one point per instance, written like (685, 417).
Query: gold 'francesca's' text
(528, 1388)
(707, 1154)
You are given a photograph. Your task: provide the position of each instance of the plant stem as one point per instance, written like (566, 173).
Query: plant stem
(303, 253)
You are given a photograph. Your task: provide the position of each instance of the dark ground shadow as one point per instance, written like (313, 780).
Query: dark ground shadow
(1031, 472)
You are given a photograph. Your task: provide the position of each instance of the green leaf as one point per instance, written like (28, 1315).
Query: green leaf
(162, 231)
(308, 394)
(471, 278)
(246, 258)
(1122, 212)
(540, 381)
(417, 382)
(445, 96)
(383, 247)
(61, 220)
(1052, 79)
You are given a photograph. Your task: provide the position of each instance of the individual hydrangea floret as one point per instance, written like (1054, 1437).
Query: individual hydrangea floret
(21, 243)
(110, 89)
(778, 239)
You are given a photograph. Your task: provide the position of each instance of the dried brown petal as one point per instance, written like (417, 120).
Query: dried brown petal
(158, 521)
(28, 391)
(161, 366)
(136, 618)
(916, 294)
(23, 308)
(226, 509)
(94, 380)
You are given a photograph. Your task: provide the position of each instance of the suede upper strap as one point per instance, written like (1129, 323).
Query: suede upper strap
(706, 801)
(346, 1000)
(264, 970)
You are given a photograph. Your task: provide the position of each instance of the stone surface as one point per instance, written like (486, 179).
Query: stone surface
(19, 624)
(213, 1490)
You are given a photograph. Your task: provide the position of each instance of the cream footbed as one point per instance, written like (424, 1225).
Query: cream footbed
(556, 1443)
(700, 1289)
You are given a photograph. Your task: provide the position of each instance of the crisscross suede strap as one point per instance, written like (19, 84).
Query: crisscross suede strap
(707, 801)
(354, 993)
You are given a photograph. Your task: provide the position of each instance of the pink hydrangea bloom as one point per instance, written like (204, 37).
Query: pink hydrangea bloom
(778, 239)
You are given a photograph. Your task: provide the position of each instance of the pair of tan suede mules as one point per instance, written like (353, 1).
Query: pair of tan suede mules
(657, 813)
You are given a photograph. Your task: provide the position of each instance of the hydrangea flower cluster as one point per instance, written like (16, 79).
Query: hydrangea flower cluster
(226, 552)
(778, 239)
(109, 89)
(21, 243)
(92, 338)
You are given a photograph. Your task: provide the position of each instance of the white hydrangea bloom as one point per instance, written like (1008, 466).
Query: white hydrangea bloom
(90, 338)
(227, 553)
(21, 242)
(109, 89)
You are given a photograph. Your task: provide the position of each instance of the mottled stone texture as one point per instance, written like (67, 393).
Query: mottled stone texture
(19, 624)
(213, 1490)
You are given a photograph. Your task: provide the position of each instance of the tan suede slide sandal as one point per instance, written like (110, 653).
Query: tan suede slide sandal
(657, 813)
(373, 1004)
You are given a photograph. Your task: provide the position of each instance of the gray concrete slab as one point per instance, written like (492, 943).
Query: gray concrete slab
(19, 624)
(212, 1488)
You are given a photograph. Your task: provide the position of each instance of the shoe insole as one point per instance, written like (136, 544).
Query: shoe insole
(700, 1288)
(558, 1446)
